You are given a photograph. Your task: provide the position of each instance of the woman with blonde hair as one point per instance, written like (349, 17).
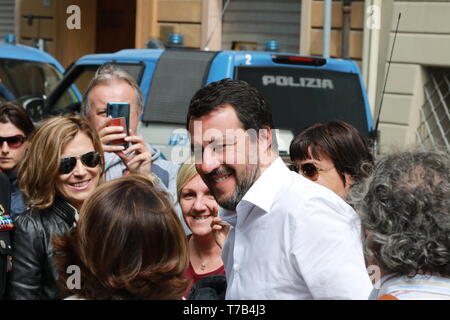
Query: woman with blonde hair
(62, 167)
(128, 243)
(199, 209)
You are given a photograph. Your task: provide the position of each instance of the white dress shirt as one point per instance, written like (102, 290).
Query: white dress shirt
(293, 239)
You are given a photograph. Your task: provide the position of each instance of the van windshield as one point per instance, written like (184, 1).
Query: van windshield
(21, 79)
(77, 81)
(302, 96)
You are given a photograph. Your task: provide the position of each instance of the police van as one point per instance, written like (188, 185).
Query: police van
(27, 75)
(301, 90)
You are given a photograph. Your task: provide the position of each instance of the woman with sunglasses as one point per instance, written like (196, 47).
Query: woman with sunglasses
(16, 129)
(333, 154)
(62, 167)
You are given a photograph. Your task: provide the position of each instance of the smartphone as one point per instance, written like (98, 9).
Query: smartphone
(120, 112)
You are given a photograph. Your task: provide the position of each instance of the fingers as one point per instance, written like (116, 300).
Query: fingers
(111, 130)
(104, 123)
(108, 148)
(112, 137)
(142, 159)
(219, 224)
(109, 134)
(220, 230)
(122, 156)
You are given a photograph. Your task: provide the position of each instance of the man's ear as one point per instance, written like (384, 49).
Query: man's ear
(265, 138)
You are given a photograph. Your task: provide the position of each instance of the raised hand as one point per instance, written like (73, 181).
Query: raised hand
(220, 230)
(136, 157)
(109, 134)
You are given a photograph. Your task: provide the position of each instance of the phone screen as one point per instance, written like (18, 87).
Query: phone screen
(120, 112)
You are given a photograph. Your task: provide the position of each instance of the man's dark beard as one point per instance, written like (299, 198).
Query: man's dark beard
(244, 183)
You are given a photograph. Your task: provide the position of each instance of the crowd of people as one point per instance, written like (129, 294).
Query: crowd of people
(85, 219)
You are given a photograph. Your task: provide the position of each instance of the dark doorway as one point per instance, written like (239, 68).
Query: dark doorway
(116, 25)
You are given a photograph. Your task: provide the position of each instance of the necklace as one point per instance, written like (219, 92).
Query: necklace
(199, 257)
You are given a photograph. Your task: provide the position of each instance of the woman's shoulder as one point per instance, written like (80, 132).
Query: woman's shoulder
(28, 221)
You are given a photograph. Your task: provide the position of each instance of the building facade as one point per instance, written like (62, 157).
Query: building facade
(415, 108)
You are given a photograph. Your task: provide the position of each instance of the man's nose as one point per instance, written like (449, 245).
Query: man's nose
(209, 162)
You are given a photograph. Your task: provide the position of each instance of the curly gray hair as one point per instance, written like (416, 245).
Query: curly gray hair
(405, 209)
(106, 73)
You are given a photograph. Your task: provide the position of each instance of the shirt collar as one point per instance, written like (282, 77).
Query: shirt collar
(259, 194)
(265, 189)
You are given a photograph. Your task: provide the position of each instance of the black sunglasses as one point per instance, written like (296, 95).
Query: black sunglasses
(308, 170)
(90, 159)
(13, 142)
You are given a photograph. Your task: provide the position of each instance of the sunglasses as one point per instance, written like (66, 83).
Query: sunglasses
(90, 159)
(13, 142)
(308, 170)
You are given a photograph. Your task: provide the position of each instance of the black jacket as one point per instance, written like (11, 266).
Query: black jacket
(5, 236)
(33, 272)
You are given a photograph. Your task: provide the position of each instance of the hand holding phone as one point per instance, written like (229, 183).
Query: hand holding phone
(120, 112)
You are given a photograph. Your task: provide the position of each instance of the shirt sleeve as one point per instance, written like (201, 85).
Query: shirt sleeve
(327, 246)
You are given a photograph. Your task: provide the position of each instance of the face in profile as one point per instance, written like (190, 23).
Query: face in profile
(13, 146)
(77, 180)
(226, 164)
(198, 206)
(113, 91)
(323, 172)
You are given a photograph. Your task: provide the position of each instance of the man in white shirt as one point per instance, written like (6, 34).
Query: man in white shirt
(291, 238)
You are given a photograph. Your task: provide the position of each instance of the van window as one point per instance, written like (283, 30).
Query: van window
(302, 96)
(83, 75)
(25, 79)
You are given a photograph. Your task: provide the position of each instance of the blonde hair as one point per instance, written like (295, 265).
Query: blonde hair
(186, 172)
(40, 167)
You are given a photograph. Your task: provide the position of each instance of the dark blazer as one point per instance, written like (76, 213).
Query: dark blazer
(33, 275)
(5, 236)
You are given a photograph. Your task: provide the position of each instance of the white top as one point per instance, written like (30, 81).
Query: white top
(293, 239)
(419, 287)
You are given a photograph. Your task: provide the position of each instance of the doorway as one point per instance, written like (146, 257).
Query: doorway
(116, 25)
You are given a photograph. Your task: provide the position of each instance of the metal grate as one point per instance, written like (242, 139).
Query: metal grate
(434, 129)
(178, 75)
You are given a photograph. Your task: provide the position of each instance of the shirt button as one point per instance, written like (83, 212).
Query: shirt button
(236, 267)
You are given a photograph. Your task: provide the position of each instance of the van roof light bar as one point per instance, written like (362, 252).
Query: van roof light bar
(298, 60)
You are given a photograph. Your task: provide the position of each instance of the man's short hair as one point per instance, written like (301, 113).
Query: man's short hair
(107, 73)
(250, 106)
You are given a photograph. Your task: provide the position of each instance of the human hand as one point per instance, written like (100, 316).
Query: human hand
(220, 230)
(136, 157)
(110, 134)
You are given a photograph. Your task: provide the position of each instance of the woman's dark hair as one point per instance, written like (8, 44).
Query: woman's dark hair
(128, 244)
(339, 141)
(12, 112)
